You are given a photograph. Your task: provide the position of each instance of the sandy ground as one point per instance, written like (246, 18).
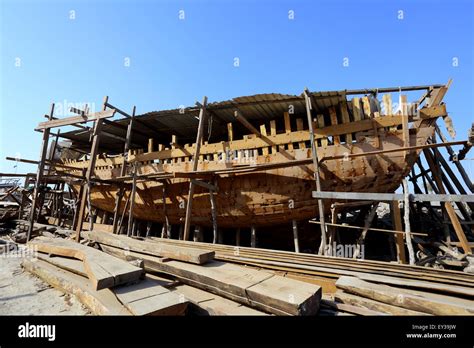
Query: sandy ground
(24, 294)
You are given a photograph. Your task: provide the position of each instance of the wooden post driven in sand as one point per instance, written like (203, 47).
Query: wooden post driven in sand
(202, 119)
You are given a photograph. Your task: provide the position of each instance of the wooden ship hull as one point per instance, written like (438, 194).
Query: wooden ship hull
(265, 177)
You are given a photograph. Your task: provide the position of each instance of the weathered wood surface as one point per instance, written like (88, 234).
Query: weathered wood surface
(185, 254)
(372, 305)
(148, 297)
(413, 300)
(259, 289)
(99, 302)
(104, 271)
(349, 308)
(333, 267)
(76, 119)
(212, 304)
(244, 204)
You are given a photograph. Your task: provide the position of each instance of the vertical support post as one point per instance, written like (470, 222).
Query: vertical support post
(202, 117)
(397, 224)
(447, 205)
(214, 216)
(322, 247)
(295, 236)
(253, 237)
(166, 225)
(237, 237)
(90, 171)
(118, 198)
(132, 200)
(39, 174)
(406, 217)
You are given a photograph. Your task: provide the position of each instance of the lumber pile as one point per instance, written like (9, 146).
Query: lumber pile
(103, 270)
(104, 284)
(399, 301)
(258, 289)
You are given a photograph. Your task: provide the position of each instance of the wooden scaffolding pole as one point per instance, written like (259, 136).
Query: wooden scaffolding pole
(132, 201)
(39, 175)
(118, 199)
(202, 117)
(90, 171)
(447, 205)
(397, 225)
(322, 247)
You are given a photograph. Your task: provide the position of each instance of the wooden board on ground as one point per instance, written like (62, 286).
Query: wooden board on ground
(99, 302)
(148, 297)
(255, 288)
(409, 299)
(212, 304)
(343, 307)
(376, 306)
(103, 270)
(186, 254)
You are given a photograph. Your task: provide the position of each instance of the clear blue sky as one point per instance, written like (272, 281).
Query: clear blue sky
(175, 62)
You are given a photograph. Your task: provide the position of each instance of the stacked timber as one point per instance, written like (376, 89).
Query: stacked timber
(418, 288)
(258, 289)
(399, 301)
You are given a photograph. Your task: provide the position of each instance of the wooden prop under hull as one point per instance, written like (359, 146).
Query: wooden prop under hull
(273, 196)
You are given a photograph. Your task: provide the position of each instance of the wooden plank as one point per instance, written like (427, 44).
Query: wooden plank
(103, 270)
(346, 120)
(286, 117)
(212, 304)
(255, 288)
(76, 119)
(148, 297)
(369, 304)
(349, 308)
(99, 302)
(197, 153)
(185, 254)
(414, 300)
(405, 126)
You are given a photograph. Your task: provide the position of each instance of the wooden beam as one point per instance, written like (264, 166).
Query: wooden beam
(333, 115)
(263, 131)
(76, 119)
(314, 155)
(39, 175)
(199, 136)
(132, 200)
(89, 174)
(185, 254)
(410, 299)
(123, 169)
(401, 149)
(103, 270)
(397, 224)
(238, 115)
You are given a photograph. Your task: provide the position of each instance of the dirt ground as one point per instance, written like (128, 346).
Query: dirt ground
(24, 294)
